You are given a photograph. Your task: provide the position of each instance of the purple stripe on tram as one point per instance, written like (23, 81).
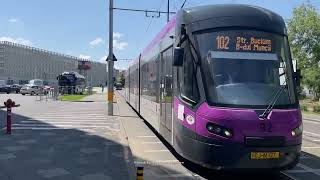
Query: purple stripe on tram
(169, 26)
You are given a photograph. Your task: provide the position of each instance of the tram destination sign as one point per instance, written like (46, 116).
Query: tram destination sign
(234, 41)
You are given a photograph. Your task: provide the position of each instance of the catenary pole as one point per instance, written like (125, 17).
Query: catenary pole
(110, 61)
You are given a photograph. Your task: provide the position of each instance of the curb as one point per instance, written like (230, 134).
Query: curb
(128, 152)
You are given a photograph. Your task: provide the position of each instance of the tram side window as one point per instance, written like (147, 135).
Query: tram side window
(187, 79)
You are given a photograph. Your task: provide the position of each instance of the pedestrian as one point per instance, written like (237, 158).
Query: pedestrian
(102, 87)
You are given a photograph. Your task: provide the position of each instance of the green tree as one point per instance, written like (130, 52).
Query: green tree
(122, 79)
(304, 38)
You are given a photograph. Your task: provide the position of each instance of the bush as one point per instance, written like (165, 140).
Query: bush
(316, 108)
(303, 107)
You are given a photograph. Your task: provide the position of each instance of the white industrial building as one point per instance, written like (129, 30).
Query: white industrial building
(20, 63)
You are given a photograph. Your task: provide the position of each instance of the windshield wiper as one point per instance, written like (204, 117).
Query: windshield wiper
(274, 100)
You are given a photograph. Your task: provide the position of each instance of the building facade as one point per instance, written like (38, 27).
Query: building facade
(20, 63)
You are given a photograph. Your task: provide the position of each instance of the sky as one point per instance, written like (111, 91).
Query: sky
(80, 27)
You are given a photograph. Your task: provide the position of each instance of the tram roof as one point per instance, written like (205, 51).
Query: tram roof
(231, 15)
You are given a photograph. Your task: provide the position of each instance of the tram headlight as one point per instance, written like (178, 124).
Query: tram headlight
(297, 131)
(219, 130)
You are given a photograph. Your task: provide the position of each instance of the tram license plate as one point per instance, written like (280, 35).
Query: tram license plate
(265, 155)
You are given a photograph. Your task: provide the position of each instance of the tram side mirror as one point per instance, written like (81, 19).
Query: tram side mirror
(298, 77)
(178, 56)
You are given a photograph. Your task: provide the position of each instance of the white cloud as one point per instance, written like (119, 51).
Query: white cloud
(82, 56)
(103, 59)
(13, 20)
(96, 42)
(117, 35)
(116, 66)
(117, 45)
(17, 40)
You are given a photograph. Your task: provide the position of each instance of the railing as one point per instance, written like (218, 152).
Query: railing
(54, 92)
(48, 94)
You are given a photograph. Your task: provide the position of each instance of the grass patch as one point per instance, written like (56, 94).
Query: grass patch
(308, 105)
(71, 97)
(310, 113)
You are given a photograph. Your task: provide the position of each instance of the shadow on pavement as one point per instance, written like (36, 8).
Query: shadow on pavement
(58, 153)
(55, 153)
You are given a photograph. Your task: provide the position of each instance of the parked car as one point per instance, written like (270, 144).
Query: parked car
(5, 89)
(118, 86)
(31, 89)
(15, 88)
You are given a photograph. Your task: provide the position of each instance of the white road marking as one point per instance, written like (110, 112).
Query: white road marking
(174, 175)
(38, 128)
(145, 136)
(307, 168)
(77, 111)
(311, 119)
(69, 121)
(70, 117)
(293, 171)
(73, 114)
(169, 161)
(316, 140)
(308, 132)
(311, 147)
(156, 150)
(58, 122)
(312, 122)
(156, 142)
(57, 125)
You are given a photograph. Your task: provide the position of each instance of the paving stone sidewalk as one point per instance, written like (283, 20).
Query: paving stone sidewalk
(63, 141)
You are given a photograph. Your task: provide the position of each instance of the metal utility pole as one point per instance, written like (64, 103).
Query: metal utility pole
(110, 61)
(168, 12)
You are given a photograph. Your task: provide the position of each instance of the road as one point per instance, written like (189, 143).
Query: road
(77, 140)
(62, 140)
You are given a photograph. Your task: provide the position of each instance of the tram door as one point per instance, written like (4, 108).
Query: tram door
(166, 92)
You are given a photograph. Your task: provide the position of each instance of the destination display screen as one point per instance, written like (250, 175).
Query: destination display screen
(244, 41)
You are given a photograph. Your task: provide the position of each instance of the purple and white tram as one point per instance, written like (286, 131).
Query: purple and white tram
(218, 84)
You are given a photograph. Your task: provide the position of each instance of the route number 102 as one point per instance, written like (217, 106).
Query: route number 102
(223, 42)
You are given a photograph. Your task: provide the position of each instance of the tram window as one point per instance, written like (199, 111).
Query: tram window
(187, 78)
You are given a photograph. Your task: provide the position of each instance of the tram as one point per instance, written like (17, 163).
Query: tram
(218, 84)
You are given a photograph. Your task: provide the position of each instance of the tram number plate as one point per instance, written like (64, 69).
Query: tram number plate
(265, 155)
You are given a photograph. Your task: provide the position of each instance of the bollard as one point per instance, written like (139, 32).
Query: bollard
(9, 104)
(139, 173)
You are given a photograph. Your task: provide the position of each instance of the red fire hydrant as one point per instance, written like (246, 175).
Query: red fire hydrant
(9, 104)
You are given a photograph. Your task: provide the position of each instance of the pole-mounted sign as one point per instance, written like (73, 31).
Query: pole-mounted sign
(112, 59)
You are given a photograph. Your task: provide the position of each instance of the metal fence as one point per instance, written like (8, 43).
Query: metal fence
(71, 90)
(48, 94)
(54, 92)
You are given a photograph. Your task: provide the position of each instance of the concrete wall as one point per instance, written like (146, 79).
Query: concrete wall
(21, 63)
